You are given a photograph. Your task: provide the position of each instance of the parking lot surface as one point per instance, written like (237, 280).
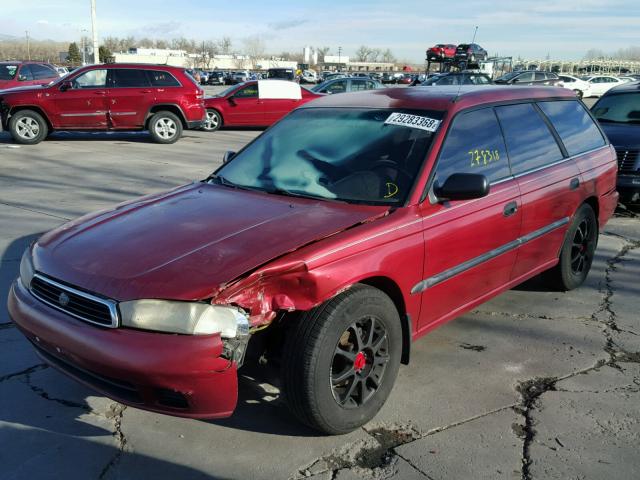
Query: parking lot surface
(534, 384)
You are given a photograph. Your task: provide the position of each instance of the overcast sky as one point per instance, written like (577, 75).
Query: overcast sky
(532, 28)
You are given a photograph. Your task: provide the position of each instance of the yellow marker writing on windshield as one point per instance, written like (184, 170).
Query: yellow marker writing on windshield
(392, 189)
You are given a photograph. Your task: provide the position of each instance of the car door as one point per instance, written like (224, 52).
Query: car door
(130, 97)
(244, 107)
(469, 244)
(549, 184)
(84, 105)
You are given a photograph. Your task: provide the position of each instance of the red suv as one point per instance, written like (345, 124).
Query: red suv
(441, 52)
(25, 74)
(350, 228)
(158, 98)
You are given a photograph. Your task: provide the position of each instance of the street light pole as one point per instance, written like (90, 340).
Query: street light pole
(339, 55)
(28, 45)
(84, 47)
(94, 29)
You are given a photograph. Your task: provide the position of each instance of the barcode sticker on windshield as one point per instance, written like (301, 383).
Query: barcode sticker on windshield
(413, 121)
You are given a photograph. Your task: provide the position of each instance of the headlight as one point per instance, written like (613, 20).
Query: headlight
(190, 318)
(26, 268)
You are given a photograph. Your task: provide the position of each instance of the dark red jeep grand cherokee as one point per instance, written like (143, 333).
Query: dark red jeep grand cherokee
(327, 245)
(162, 99)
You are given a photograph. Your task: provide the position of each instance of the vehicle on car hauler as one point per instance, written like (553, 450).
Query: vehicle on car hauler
(161, 99)
(328, 244)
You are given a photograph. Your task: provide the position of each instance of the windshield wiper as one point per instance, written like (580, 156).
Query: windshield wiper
(228, 183)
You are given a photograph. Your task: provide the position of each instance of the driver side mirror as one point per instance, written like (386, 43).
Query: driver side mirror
(463, 186)
(228, 155)
(66, 85)
(231, 100)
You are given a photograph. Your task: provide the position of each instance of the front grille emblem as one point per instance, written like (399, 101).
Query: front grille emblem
(63, 299)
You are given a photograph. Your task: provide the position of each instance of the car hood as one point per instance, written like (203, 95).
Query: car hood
(188, 243)
(622, 135)
(4, 90)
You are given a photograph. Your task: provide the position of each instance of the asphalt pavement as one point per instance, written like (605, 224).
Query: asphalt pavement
(534, 384)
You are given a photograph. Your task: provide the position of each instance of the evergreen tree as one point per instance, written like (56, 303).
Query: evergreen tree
(104, 53)
(73, 54)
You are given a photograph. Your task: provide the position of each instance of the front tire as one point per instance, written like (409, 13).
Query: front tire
(578, 249)
(28, 127)
(341, 360)
(165, 127)
(213, 121)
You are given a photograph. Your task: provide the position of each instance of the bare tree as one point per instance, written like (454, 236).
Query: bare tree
(388, 57)
(363, 53)
(254, 48)
(594, 54)
(322, 52)
(224, 45)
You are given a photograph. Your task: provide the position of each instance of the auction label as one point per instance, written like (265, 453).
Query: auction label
(413, 121)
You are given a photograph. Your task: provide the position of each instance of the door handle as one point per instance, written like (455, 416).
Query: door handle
(146, 91)
(510, 208)
(100, 92)
(574, 183)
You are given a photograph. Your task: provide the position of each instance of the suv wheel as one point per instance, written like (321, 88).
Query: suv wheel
(213, 121)
(165, 127)
(341, 360)
(28, 127)
(577, 251)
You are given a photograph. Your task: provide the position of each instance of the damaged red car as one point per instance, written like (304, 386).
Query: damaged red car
(327, 245)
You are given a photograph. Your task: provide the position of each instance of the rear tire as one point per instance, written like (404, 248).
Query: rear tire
(578, 93)
(341, 360)
(28, 127)
(576, 255)
(165, 127)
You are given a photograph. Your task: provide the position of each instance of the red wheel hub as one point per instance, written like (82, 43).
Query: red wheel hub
(360, 361)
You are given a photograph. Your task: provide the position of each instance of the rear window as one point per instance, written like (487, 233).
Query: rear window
(618, 108)
(529, 141)
(159, 78)
(8, 72)
(474, 144)
(575, 126)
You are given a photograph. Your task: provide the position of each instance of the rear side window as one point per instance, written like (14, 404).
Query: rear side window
(129, 78)
(530, 142)
(158, 78)
(474, 144)
(575, 126)
(41, 72)
(25, 73)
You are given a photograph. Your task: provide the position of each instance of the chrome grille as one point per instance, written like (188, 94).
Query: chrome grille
(627, 160)
(78, 304)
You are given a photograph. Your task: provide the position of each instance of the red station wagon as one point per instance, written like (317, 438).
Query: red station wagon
(349, 229)
(162, 99)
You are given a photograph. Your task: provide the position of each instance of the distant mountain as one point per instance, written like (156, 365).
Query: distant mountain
(7, 37)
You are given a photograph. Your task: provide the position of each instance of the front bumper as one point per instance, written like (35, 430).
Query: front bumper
(177, 375)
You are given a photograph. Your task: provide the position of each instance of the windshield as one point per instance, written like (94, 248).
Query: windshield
(8, 72)
(346, 154)
(618, 108)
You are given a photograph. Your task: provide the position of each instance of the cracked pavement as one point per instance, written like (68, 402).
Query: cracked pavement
(533, 384)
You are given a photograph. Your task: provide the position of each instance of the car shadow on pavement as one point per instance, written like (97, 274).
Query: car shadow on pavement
(261, 408)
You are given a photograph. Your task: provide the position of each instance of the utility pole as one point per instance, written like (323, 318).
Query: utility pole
(94, 29)
(28, 45)
(84, 46)
(339, 55)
